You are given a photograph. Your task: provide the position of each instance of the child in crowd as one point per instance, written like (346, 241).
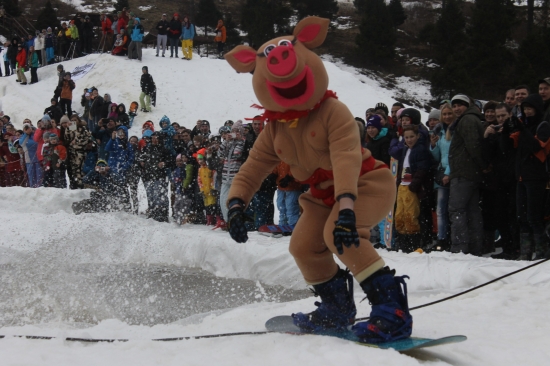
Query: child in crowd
(55, 155)
(181, 178)
(413, 173)
(206, 182)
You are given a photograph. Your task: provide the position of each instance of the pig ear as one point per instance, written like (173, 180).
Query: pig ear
(242, 58)
(312, 31)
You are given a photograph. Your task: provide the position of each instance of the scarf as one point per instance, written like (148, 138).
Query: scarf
(290, 116)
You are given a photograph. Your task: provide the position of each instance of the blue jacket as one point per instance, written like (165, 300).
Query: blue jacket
(137, 31)
(440, 152)
(30, 148)
(121, 155)
(90, 161)
(188, 33)
(168, 133)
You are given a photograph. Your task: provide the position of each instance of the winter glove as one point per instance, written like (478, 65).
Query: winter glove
(345, 232)
(237, 222)
(283, 183)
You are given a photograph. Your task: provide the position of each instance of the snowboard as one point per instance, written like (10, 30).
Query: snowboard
(154, 97)
(276, 231)
(285, 324)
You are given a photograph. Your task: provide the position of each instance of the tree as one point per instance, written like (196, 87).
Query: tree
(11, 7)
(264, 19)
(451, 79)
(322, 8)
(533, 57)
(121, 4)
(376, 40)
(449, 32)
(47, 17)
(233, 35)
(207, 14)
(489, 59)
(360, 5)
(397, 12)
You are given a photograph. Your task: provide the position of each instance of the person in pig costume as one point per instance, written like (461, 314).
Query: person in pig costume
(350, 192)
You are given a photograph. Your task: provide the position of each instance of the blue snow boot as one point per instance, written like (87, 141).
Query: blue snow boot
(390, 319)
(336, 311)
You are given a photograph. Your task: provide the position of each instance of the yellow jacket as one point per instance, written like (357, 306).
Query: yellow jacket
(206, 184)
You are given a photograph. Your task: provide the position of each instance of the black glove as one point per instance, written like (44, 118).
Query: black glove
(345, 232)
(236, 221)
(283, 183)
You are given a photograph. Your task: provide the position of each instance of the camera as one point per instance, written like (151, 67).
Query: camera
(102, 169)
(497, 127)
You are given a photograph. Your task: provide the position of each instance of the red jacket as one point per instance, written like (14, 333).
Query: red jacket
(38, 138)
(106, 26)
(22, 58)
(13, 165)
(121, 24)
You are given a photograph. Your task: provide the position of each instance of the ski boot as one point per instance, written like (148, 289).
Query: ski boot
(336, 311)
(390, 319)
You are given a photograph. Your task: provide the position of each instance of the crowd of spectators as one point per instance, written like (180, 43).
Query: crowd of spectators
(120, 34)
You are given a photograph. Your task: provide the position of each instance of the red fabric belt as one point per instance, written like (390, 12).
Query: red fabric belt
(322, 175)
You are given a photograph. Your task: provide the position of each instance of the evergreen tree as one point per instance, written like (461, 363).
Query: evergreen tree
(121, 4)
(533, 57)
(11, 7)
(397, 12)
(451, 79)
(376, 40)
(489, 59)
(449, 32)
(47, 18)
(233, 35)
(207, 14)
(322, 8)
(264, 19)
(360, 5)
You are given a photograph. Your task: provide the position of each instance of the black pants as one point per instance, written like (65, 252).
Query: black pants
(220, 47)
(65, 105)
(34, 76)
(531, 195)
(174, 45)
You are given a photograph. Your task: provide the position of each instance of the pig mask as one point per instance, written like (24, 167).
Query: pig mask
(287, 74)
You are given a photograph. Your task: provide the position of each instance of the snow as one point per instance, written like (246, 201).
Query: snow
(47, 254)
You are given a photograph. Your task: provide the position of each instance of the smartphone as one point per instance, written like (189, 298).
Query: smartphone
(430, 132)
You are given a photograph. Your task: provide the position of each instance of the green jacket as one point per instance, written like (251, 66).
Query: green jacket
(34, 59)
(465, 153)
(74, 32)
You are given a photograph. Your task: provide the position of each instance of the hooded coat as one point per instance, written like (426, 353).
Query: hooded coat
(137, 31)
(168, 134)
(121, 155)
(123, 116)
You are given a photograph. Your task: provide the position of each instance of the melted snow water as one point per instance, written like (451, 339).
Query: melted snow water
(133, 293)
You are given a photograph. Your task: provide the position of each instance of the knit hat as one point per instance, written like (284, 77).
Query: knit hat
(164, 119)
(145, 68)
(435, 114)
(398, 114)
(461, 99)
(382, 106)
(413, 114)
(178, 157)
(47, 118)
(176, 15)
(238, 126)
(147, 133)
(101, 162)
(545, 80)
(374, 121)
(64, 119)
(478, 103)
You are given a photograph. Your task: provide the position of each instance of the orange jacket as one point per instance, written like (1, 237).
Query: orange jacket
(221, 34)
(282, 170)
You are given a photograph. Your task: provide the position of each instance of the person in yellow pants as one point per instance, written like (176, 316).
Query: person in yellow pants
(187, 35)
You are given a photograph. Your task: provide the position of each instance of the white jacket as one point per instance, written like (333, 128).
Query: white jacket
(39, 43)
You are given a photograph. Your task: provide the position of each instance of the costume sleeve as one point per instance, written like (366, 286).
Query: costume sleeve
(260, 163)
(345, 148)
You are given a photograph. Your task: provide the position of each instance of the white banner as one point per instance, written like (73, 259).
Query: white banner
(80, 71)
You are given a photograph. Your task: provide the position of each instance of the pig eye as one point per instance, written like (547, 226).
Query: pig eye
(268, 49)
(284, 42)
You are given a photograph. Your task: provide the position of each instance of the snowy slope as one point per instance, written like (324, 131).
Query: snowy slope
(187, 91)
(50, 259)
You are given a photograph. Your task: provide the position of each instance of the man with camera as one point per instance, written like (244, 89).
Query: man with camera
(108, 194)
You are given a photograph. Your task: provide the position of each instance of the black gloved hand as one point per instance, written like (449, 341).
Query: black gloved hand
(283, 183)
(236, 222)
(345, 232)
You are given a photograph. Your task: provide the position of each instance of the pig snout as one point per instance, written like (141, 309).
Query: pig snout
(282, 61)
